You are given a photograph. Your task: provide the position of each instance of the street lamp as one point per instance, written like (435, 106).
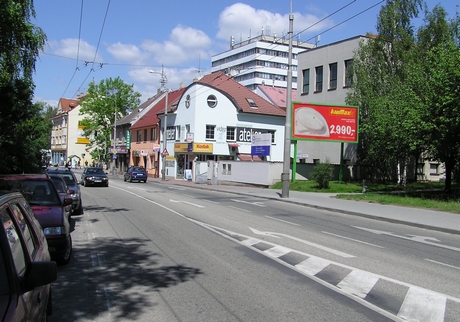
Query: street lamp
(163, 82)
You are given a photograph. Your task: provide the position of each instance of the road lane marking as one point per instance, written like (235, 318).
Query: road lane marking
(419, 239)
(254, 203)
(285, 221)
(327, 249)
(240, 209)
(358, 283)
(355, 240)
(189, 203)
(423, 305)
(444, 264)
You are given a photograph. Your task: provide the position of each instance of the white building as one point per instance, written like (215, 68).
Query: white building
(215, 119)
(262, 60)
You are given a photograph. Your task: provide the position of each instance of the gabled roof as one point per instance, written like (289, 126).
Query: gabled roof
(65, 105)
(276, 95)
(131, 118)
(151, 118)
(240, 95)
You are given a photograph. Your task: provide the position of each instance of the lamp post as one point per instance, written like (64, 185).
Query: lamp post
(163, 82)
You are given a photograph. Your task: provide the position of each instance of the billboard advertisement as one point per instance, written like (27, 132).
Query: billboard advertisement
(322, 122)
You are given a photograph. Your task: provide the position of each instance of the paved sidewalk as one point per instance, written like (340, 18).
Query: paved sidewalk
(418, 217)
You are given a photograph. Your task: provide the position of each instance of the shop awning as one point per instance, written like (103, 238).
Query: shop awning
(233, 145)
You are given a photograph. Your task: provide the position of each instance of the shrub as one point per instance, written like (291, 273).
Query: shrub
(322, 174)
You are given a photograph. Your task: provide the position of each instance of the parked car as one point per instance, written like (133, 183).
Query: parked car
(94, 176)
(62, 189)
(40, 192)
(73, 184)
(26, 272)
(135, 173)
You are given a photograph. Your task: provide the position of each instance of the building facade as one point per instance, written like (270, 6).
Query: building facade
(262, 60)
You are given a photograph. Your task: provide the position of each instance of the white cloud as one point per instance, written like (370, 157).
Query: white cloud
(127, 53)
(184, 44)
(243, 21)
(73, 48)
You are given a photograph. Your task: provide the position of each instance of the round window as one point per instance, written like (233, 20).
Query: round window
(212, 101)
(187, 101)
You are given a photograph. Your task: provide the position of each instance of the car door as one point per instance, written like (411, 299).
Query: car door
(24, 246)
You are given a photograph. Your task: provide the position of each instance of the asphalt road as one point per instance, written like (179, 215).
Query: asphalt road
(150, 252)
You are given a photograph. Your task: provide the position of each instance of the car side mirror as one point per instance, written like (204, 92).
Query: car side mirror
(39, 274)
(67, 201)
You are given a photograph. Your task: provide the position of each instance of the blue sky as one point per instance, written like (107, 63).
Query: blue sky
(96, 39)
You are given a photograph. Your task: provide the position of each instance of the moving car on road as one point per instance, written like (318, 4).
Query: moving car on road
(93, 176)
(26, 272)
(51, 213)
(135, 173)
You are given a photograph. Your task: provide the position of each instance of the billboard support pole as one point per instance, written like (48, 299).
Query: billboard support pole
(341, 162)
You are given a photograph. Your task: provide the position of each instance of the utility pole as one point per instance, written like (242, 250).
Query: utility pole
(287, 127)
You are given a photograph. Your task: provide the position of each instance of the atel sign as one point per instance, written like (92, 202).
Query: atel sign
(313, 121)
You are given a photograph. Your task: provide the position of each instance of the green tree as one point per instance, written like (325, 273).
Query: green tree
(20, 43)
(391, 124)
(104, 101)
(439, 56)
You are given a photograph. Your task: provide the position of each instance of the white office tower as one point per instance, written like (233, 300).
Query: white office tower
(262, 60)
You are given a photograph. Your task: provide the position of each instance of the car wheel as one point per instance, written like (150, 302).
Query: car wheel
(130, 179)
(124, 179)
(66, 258)
(145, 181)
(49, 305)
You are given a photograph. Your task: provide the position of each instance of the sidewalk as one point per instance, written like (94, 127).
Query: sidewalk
(417, 217)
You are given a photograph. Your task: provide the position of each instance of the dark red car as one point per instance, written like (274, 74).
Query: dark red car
(25, 267)
(52, 212)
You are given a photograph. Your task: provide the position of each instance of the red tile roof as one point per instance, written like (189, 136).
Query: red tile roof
(150, 118)
(239, 95)
(277, 95)
(68, 104)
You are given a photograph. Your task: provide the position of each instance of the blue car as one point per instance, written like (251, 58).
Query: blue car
(135, 173)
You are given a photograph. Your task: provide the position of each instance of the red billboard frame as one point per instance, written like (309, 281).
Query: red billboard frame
(324, 122)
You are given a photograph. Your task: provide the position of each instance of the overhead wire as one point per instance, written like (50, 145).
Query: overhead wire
(78, 49)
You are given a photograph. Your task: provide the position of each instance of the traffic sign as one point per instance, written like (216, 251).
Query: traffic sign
(114, 151)
(165, 153)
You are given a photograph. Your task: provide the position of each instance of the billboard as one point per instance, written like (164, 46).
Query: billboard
(322, 122)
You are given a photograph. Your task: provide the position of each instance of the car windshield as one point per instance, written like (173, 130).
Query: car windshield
(69, 179)
(141, 169)
(39, 192)
(95, 171)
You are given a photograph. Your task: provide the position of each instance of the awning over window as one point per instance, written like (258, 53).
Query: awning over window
(233, 145)
(248, 157)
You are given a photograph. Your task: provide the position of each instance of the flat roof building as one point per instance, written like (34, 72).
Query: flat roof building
(262, 60)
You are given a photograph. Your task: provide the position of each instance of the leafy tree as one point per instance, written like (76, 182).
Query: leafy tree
(103, 101)
(391, 123)
(20, 43)
(439, 54)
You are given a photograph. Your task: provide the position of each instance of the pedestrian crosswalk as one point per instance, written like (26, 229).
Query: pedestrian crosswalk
(400, 300)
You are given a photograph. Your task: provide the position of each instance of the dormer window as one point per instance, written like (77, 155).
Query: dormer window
(252, 103)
